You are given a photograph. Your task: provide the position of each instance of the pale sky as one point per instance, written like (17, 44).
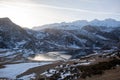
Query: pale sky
(30, 13)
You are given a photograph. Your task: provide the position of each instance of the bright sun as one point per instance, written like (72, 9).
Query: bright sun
(25, 15)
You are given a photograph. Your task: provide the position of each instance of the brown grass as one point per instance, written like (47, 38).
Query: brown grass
(113, 74)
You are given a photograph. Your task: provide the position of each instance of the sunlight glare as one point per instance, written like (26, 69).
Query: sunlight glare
(25, 16)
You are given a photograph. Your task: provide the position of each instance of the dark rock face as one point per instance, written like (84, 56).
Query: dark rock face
(11, 34)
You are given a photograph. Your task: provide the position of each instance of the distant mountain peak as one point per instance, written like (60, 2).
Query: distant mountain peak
(7, 25)
(110, 19)
(78, 24)
(5, 19)
(96, 20)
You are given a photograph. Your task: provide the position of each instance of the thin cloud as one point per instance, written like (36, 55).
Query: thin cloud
(61, 8)
(79, 10)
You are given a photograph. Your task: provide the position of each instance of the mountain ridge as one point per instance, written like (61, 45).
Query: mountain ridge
(80, 23)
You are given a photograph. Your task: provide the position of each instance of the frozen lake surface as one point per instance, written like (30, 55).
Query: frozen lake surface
(12, 70)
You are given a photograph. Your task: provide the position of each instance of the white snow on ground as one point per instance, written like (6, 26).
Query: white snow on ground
(28, 77)
(101, 37)
(65, 75)
(74, 46)
(50, 73)
(85, 63)
(22, 42)
(9, 53)
(3, 49)
(12, 70)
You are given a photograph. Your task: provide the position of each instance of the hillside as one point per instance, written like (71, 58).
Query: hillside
(91, 67)
(84, 40)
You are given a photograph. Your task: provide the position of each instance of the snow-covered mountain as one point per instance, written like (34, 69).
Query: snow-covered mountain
(80, 23)
(107, 23)
(82, 35)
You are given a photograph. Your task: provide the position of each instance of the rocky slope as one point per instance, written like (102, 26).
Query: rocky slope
(12, 35)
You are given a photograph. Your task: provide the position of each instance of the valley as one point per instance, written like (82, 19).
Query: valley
(64, 51)
(102, 66)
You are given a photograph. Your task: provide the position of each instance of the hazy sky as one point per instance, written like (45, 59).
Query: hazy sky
(30, 13)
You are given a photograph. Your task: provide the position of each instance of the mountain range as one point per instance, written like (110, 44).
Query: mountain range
(80, 23)
(79, 35)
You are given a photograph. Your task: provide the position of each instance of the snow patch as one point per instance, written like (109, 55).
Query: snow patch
(28, 77)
